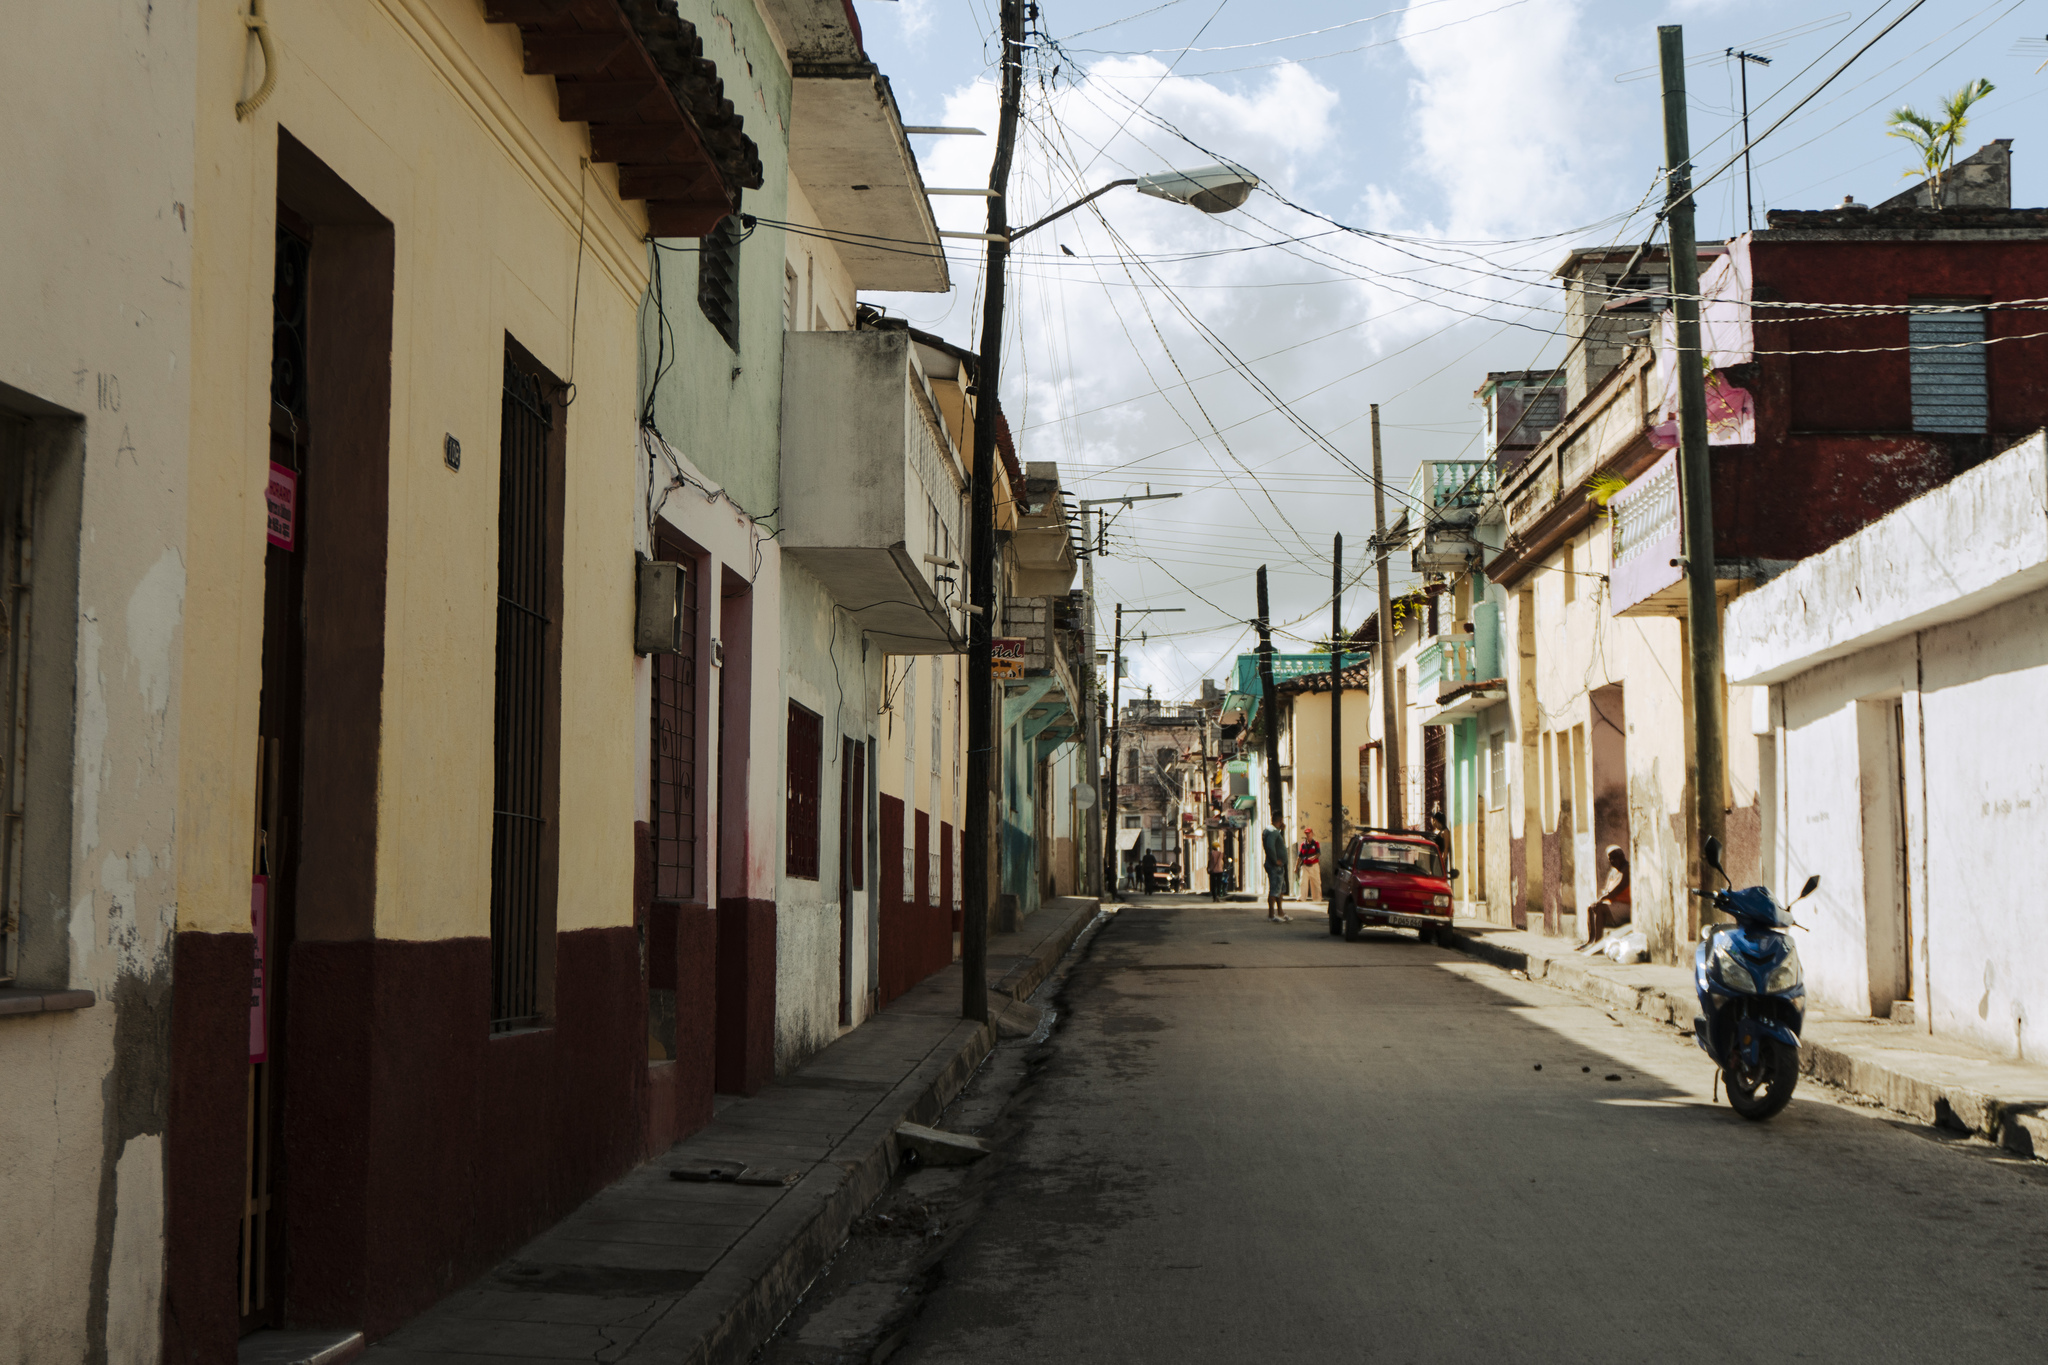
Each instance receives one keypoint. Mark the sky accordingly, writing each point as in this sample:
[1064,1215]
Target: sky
[1234,359]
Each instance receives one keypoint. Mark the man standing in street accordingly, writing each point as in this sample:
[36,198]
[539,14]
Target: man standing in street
[1274,845]
[1309,856]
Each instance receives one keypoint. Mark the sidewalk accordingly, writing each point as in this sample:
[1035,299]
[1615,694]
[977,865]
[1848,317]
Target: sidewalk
[1934,1080]
[659,1269]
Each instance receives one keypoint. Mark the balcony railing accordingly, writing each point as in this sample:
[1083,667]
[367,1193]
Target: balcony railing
[1459,484]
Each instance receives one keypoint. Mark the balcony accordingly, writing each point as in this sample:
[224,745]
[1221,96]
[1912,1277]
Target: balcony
[1453,488]
[1458,676]
[871,484]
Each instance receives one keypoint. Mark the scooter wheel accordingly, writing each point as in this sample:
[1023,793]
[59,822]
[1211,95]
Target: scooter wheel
[1759,1096]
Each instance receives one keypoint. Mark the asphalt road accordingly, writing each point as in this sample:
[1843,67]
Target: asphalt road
[1259,1143]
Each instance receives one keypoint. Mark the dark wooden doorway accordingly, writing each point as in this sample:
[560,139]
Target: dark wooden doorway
[280,729]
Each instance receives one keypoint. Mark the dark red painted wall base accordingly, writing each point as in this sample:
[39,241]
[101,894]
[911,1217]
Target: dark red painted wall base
[418,1150]
[203,1149]
[916,935]
[697,1016]
[745,996]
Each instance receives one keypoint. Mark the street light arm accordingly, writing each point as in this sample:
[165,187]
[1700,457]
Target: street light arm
[1061,213]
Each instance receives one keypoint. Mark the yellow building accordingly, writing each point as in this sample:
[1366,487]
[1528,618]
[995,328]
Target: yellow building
[410,725]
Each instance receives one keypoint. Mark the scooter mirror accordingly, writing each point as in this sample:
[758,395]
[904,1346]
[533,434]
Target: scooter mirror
[1713,852]
[1812,885]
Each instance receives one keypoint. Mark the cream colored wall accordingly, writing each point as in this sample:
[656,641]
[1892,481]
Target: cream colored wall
[423,109]
[1309,738]
[96,290]
[825,292]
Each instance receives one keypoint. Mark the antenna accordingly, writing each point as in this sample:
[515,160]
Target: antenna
[1743,59]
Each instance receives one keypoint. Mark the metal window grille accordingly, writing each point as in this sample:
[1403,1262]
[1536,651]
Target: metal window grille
[856,822]
[674,796]
[17,541]
[806,755]
[1497,767]
[718,277]
[1951,388]
[519,814]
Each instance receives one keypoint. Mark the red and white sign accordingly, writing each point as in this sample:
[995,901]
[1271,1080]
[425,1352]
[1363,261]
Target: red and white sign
[1007,655]
[283,498]
[259,983]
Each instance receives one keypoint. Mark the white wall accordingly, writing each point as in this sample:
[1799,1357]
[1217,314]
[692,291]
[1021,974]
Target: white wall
[1911,770]
[95,288]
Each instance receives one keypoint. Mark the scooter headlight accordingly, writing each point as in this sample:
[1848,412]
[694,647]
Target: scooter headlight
[1784,976]
[1725,969]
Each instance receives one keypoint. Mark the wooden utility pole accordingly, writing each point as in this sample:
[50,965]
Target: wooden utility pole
[1390,744]
[1111,853]
[981,738]
[1695,470]
[1091,727]
[1276,813]
[1337,642]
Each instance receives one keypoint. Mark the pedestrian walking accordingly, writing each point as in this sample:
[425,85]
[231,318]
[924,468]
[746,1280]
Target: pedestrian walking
[1148,870]
[1274,845]
[1309,857]
[1219,873]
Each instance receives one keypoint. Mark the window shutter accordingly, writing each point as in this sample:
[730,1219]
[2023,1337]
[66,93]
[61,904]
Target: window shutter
[1951,390]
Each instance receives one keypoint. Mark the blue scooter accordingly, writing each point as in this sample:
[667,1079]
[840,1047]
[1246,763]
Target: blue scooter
[1752,994]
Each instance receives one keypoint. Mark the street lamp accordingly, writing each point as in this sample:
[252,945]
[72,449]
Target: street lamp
[1210,189]
[1216,188]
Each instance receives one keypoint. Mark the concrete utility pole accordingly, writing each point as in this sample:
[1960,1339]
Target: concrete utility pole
[1390,744]
[1337,642]
[974,884]
[1091,729]
[1276,812]
[1116,730]
[1695,471]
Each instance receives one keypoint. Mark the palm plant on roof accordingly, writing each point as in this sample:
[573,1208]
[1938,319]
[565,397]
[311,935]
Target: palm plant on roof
[1937,139]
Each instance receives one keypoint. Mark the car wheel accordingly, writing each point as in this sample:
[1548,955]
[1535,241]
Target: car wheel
[1336,920]
[1352,924]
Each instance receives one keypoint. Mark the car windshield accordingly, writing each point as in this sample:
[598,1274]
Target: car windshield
[1389,855]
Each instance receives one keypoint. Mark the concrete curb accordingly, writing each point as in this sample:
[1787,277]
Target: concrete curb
[1021,980]
[733,1309]
[2019,1128]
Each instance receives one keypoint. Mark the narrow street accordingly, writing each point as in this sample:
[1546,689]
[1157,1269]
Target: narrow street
[1255,1141]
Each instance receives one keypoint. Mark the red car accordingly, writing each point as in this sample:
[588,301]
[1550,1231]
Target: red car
[1391,877]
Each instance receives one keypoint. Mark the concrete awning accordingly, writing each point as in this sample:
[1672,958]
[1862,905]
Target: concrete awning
[1128,838]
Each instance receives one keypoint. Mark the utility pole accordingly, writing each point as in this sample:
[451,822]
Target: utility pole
[1091,725]
[1337,642]
[1742,61]
[1695,472]
[1276,814]
[1116,730]
[974,880]
[1390,744]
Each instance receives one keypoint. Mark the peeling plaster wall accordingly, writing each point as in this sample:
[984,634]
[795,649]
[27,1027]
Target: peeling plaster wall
[1939,610]
[95,286]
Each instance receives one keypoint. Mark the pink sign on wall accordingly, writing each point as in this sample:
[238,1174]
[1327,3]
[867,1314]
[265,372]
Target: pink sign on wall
[282,495]
[259,984]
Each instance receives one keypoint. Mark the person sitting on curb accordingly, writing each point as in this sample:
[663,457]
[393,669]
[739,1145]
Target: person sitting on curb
[1309,857]
[1274,845]
[1613,909]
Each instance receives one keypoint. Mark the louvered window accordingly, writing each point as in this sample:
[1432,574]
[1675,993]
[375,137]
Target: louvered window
[718,277]
[1951,390]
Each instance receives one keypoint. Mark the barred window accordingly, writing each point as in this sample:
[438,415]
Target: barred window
[806,757]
